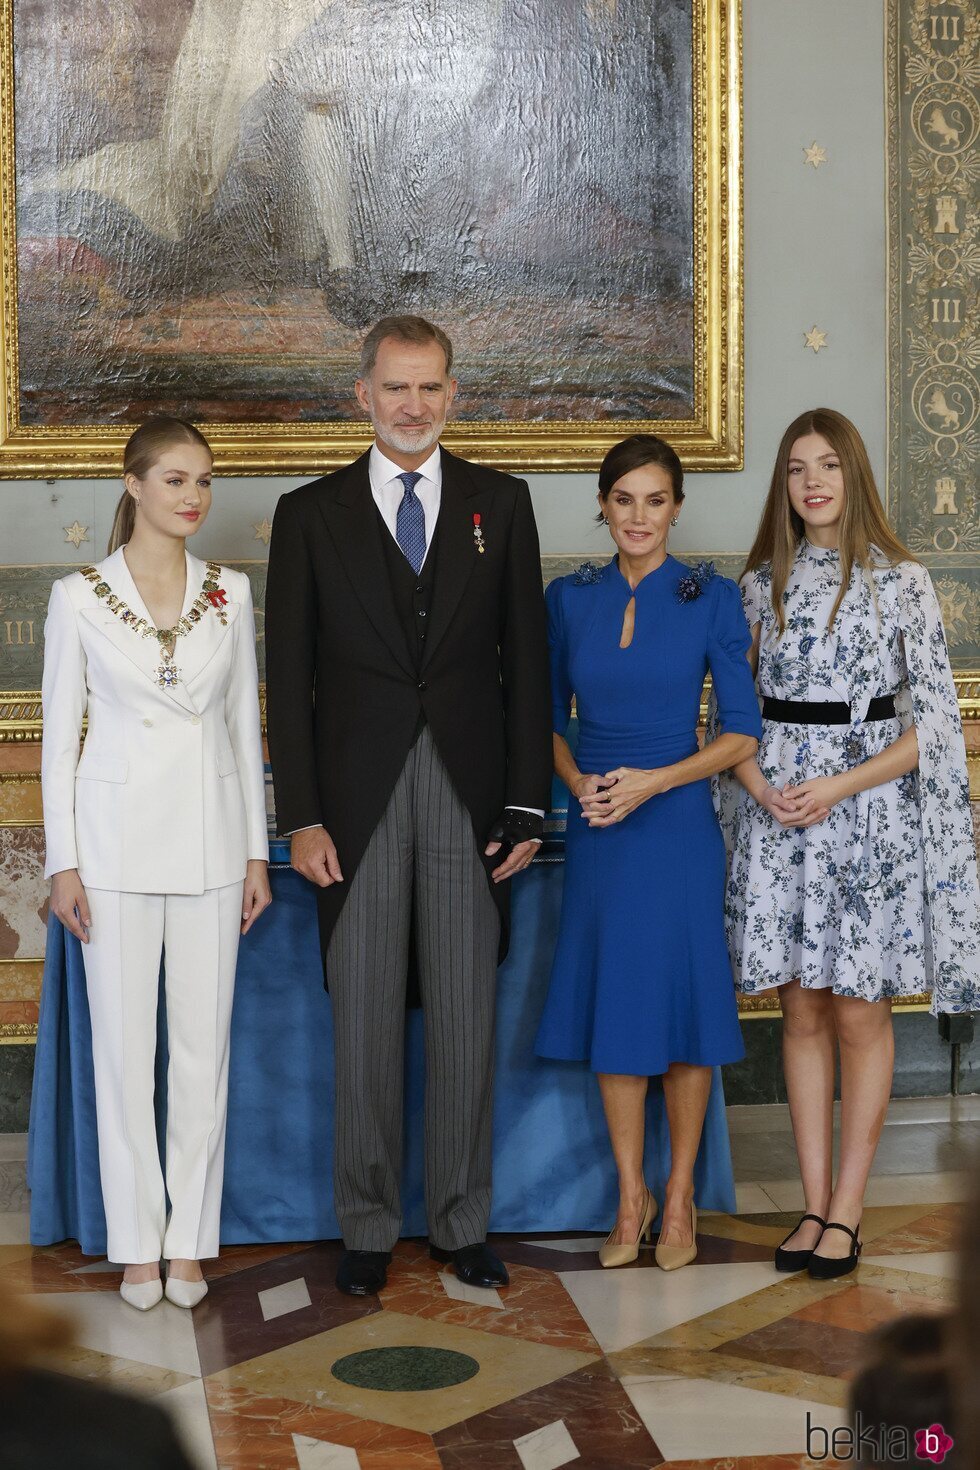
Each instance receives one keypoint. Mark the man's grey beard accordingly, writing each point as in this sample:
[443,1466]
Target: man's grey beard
[411,443]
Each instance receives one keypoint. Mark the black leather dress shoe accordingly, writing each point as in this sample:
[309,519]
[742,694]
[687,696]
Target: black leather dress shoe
[363,1273]
[476,1265]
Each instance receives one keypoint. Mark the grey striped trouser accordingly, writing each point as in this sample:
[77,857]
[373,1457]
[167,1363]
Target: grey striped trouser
[423,851]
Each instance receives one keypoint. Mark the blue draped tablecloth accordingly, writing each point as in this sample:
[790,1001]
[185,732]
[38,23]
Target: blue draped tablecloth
[553,1169]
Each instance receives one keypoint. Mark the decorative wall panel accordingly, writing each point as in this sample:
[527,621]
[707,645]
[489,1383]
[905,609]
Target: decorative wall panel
[934,301]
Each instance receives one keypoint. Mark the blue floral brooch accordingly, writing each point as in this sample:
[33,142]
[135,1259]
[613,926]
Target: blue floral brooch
[587,573]
[689,588]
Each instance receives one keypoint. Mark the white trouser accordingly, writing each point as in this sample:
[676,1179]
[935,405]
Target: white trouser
[199,934]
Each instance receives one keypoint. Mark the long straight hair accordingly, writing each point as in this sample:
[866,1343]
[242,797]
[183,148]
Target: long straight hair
[863,523]
[145,446]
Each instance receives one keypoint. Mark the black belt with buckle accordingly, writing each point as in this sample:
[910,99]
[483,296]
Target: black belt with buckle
[812,712]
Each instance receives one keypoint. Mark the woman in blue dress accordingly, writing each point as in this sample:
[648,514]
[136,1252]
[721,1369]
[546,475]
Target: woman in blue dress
[641,984]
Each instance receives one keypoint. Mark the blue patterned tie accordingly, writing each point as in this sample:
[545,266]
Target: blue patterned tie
[410,522]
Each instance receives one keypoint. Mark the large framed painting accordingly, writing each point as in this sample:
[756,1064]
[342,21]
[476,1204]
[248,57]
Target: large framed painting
[205,202]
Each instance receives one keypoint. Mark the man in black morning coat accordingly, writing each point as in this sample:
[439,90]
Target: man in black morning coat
[410,733]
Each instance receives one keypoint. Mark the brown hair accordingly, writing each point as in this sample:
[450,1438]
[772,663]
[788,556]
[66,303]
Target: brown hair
[28,1331]
[907,1383]
[414,329]
[966,1326]
[143,449]
[863,523]
[632,454]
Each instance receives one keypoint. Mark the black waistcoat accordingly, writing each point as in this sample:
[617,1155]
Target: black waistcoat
[413,594]
[413,601]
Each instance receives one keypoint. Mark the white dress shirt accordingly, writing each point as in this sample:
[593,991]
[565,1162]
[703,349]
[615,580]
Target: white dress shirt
[388,490]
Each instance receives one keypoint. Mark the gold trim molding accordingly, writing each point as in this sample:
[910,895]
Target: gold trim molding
[968,695]
[20,799]
[20,709]
[711,439]
[21,722]
[20,716]
[750,1008]
[765,1007]
[20,1032]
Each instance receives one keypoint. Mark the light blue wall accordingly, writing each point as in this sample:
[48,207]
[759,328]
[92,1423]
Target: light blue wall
[815,254]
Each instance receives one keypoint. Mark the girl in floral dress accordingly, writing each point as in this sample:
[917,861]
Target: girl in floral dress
[852,877]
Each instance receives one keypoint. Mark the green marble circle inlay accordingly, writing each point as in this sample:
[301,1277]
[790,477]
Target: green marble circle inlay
[405,1369]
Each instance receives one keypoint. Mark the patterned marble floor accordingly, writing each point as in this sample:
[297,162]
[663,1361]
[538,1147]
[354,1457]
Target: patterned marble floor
[570,1365]
[720,1363]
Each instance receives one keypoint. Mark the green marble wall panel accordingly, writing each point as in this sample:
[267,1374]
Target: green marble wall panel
[24,593]
[16,1077]
[924,1065]
[758,1078]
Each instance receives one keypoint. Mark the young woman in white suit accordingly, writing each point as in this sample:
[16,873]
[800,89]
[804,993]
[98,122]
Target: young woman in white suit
[157,840]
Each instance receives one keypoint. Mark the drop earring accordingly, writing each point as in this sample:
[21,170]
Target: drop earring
[605,520]
[673,520]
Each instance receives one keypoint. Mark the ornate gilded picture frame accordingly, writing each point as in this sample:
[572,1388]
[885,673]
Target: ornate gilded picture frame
[203,206]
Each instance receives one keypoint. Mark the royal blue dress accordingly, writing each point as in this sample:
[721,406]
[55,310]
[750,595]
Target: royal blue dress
[641,975]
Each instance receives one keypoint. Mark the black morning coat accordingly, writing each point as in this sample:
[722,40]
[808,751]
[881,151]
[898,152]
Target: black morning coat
[346,688]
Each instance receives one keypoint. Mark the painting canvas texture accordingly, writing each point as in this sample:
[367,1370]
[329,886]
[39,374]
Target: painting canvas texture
[216,197]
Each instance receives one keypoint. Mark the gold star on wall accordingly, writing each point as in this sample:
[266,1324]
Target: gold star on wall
[815,154]
[815,338]
[76,534]
[263,531]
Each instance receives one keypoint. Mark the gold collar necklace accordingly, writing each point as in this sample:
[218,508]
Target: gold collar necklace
[210,596]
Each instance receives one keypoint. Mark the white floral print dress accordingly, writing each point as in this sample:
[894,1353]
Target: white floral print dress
[881,898]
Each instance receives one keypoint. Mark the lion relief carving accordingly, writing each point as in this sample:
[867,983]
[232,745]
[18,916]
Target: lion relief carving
[937,406]
[938,123]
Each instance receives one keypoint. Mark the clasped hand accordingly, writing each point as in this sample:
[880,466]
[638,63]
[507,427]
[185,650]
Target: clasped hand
[606,800]
[804,805]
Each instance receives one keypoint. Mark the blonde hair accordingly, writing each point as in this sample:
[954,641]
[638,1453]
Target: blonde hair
[863,523]
[143,448]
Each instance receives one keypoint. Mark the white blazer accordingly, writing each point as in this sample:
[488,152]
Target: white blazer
[168,795]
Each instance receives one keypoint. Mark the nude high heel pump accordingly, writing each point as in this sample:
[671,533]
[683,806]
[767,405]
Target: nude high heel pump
[141,1294]
[672,1257]
[185,1293]
[621,1255]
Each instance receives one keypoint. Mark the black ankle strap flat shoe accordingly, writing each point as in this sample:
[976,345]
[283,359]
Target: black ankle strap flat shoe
[797,1260]
[825,1268]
